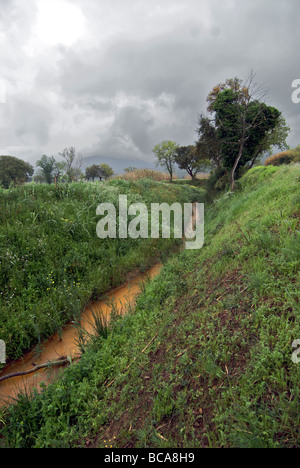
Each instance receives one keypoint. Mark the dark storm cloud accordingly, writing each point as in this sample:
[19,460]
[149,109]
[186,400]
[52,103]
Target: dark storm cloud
[146,78]
[128,135]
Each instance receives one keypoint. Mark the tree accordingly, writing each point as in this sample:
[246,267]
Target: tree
[191,159]
[242,122]
[130,169]
[208,144]
[59,168]
[47,164]
[92,172]
[102,171]
[105,171]
[39,178]
[275,137]
[77,174]
[73,163]
[166,153]
[235,84]
[14,170]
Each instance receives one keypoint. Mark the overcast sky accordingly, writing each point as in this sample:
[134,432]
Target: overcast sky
[115,77]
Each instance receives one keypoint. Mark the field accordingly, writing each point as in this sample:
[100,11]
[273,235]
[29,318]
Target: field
[205,359]
[51,260]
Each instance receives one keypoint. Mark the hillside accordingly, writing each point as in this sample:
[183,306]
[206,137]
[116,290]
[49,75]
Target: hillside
[205,359]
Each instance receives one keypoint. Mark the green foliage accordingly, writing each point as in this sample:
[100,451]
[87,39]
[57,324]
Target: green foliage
[257,175]
[259,120]
[208,144]
[102,171]
[72,165]
[190,159]
[47,165]
[217,182]
[219,372]
[13,170]
[242,129]
[51,257]
[165,153]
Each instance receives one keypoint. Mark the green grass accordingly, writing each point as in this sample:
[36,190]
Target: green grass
[51,260]
[220,322]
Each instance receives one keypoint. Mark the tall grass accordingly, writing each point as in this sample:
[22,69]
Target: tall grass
[150,174]
[51,259]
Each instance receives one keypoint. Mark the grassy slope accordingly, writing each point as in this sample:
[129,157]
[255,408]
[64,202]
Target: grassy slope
[219,371]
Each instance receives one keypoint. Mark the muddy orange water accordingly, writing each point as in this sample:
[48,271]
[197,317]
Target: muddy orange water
[66,344]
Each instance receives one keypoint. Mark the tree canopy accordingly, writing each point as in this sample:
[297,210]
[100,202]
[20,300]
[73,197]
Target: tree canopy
[14,170]
[102,171]
[242,125]
[47,164]
[165,153]
[191,159]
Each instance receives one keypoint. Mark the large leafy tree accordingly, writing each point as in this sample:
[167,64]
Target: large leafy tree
[14,170]
[242,126]
[165,153]
[242,120]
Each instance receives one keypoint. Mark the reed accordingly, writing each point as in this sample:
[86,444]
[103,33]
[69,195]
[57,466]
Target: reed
[145,174]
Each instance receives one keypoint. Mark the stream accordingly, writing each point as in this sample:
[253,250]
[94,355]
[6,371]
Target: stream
[65,343]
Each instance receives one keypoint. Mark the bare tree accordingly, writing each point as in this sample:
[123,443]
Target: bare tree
[73,163]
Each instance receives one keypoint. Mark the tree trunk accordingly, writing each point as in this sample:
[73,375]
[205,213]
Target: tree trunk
[236,162]
[255,158]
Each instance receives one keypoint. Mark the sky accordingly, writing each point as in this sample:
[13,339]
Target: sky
[113,78]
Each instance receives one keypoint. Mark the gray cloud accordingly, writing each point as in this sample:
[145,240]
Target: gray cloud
[139,73]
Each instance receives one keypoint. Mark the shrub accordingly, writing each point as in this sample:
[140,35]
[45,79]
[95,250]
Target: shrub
[285,157]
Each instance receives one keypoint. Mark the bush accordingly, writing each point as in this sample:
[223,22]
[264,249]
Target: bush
[217,182]
[285,157]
